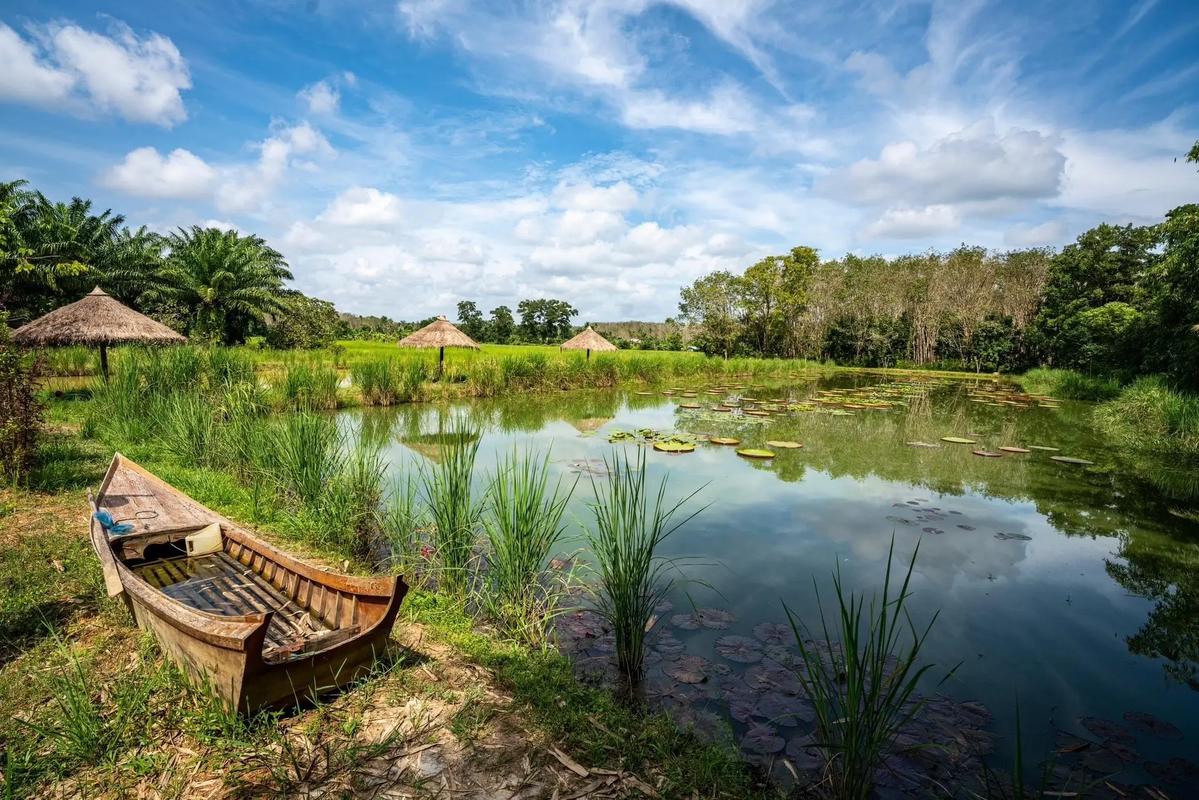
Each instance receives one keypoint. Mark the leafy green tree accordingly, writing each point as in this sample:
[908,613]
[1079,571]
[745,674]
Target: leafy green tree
[471,321]
[1177,285]
[54,252]
[712,305]
[306,323]
[228,280]
[1107,264]
[545,319]
[502,324]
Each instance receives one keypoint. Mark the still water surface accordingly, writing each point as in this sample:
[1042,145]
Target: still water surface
[1086,606]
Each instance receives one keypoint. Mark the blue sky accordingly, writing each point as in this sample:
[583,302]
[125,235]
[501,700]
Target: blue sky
[409,154]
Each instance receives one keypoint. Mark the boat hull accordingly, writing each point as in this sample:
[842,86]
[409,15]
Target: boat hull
[250,660]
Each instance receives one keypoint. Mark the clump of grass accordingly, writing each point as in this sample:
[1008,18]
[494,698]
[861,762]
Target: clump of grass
[1150,415]
[378,381]
[188,429]
[863,686]
[308,455]
[402,520]
[454,514]
[82,729]
[523,522]
[309,387]
[1066,384]
[631,523]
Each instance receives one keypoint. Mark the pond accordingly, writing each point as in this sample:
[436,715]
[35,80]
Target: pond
[1067,591]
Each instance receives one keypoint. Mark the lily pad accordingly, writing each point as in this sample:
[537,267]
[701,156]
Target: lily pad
[1012,449]
[688,669]
[674,447]
[1020,537]
[724,440]
[751,452]
[783,709]
[1150,725]
[689,405]
[740,649]
[762,740]
[929,445]
[714,618]
[1177,771]
[1043,448]
[687,622]
[774,633]
[1078,462]
[957,440]
[1106,729]
[987,453]
[783,445]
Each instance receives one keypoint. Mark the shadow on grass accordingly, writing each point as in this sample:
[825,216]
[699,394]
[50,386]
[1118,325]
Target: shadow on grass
[67,462]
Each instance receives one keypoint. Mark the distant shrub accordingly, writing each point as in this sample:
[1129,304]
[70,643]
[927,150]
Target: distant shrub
[21,413]
[1066,384]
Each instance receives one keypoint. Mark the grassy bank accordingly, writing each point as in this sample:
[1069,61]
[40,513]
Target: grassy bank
[1149,415]
[95,710]
[1066,384]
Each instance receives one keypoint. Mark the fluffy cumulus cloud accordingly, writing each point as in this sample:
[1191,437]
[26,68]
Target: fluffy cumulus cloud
[362,205]
[976,164]
[148,173]
[248,188]
[64,66]
[914,223]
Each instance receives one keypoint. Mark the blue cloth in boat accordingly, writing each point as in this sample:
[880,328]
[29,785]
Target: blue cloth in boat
[110,525]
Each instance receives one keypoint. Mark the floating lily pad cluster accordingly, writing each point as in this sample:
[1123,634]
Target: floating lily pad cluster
[1011,397]
[1103,752]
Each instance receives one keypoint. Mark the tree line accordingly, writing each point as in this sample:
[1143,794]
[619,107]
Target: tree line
[210,284]
[1121,300]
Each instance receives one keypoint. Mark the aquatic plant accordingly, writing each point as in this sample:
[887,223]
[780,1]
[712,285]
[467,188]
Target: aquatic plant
[309,387]
[631,523]
[446,490]
[523,523]
[863,685]
[308,455]
[378,381]
[403,519]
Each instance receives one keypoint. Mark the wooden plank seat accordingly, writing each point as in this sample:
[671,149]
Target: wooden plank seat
[219,584]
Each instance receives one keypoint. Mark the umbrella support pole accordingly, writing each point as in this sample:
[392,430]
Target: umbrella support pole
[588,355]
[104,361]
[440,362]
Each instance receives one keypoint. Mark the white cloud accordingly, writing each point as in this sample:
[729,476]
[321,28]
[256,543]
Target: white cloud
[220,224]
[914,223]
[362,205]
[70,69]
[147,173]
[321,97]
[975,164]
[584,196]
[246,189]
[26,78]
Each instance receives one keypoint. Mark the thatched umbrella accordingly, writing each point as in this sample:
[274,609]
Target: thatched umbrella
[588,340]
[96,320]
[439,333]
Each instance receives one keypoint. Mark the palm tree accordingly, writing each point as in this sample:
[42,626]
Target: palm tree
[227,279]
[51,253]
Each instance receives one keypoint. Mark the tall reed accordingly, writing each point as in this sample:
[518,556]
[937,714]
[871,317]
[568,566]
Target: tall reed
[446,489]
[403,520]
[523,522]
[863,684]
[309,387]
[631,523]
[378,381]
[308,452]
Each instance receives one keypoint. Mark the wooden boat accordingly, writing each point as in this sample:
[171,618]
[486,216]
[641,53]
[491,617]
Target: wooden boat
[259,627]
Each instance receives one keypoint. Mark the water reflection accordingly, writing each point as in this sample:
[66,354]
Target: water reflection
[1073,589]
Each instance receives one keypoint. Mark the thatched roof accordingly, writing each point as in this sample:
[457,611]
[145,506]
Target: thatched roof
[588,340]
[589,424]
[95,320]
[439,333]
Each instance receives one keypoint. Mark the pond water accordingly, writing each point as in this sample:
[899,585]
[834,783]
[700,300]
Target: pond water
[1069,591]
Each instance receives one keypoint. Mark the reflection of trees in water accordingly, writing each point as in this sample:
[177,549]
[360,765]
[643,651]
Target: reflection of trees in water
[1165,571]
